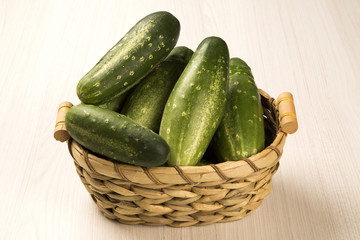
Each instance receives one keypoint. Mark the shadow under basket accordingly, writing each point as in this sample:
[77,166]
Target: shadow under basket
[187,195]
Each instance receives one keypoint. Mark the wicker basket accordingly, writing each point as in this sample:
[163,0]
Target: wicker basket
[184,196]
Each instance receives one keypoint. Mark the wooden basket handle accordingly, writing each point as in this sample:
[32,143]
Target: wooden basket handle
[60,133]
[287,113]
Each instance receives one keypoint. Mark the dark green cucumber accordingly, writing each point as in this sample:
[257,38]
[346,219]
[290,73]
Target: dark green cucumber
[146,103]
[241,132]
[196,104]
[115,104]
[131,59]
[115,136]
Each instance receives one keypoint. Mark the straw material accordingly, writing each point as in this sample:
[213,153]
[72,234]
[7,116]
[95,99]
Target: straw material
[187,195]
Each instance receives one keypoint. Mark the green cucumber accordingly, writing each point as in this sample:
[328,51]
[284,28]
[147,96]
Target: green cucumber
[196,104]
[146,103]
[131,59]
[115,104]
[115,136]
[241,132]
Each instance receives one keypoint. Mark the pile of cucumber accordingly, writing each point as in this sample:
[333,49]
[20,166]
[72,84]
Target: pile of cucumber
[150,103]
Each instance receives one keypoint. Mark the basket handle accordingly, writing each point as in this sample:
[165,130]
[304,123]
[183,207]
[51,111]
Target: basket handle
[60,133]
[287,113]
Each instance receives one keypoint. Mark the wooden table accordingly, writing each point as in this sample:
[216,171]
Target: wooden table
[310,48]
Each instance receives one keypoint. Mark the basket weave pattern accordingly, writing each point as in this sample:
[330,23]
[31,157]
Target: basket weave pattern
[183,196]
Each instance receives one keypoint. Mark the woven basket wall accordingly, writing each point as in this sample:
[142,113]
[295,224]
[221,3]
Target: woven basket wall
[183,196]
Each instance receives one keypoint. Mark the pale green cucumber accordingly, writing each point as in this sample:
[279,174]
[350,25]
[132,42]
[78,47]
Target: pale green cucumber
[241,132]
[196,104]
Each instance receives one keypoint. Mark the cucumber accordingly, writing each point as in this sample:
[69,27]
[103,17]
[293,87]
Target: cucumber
[131,59]
[196,104]
[115,136]
[241,132]
[115,104]
[146,103]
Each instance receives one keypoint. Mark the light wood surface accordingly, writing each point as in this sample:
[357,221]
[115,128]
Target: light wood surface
[309,48]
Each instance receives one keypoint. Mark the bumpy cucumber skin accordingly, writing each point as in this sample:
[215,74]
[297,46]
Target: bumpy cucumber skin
[146,103]
[115,136]
[131,59]
[241,132]
[196,104]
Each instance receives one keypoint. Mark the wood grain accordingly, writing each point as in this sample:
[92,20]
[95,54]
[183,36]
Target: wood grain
[309,48]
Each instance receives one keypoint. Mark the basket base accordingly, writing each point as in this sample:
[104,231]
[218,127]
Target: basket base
[235,205]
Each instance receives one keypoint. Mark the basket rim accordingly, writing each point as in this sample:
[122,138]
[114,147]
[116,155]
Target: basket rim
[224,171]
